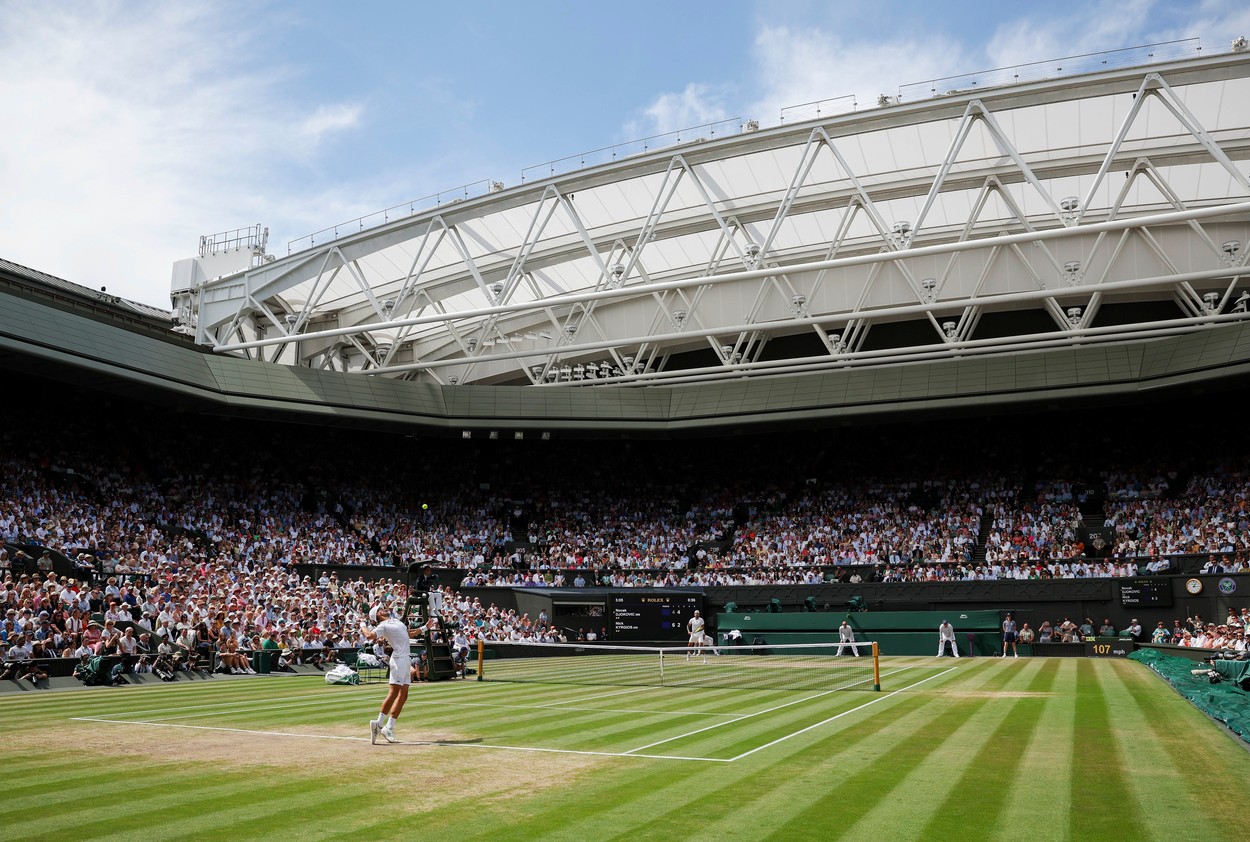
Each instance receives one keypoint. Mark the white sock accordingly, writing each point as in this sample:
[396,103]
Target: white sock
[390,723]
[381,719]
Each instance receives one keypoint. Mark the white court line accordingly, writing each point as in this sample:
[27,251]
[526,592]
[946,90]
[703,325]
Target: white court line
[644,711]
[533,749]
[743,716]
[842,714]
[284,705]
[575,751]
[214,728]
[414,743]
[243,707]
[250,704]
[188,686]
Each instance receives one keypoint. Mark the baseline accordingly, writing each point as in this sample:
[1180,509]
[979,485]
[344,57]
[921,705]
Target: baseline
[420,743]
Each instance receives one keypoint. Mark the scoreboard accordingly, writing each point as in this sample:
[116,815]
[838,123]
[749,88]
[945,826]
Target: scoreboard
[1146,593]
[647,615]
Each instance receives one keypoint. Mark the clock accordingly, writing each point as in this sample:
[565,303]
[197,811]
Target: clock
[1194,586]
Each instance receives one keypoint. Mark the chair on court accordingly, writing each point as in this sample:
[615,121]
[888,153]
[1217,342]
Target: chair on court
[371,669]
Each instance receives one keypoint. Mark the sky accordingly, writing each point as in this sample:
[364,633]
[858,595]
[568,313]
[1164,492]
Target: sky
[129,129]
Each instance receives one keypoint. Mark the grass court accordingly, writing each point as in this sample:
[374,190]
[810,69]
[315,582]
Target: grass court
[1034,749]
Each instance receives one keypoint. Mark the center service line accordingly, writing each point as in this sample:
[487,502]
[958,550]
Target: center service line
[744,716]
[842,714]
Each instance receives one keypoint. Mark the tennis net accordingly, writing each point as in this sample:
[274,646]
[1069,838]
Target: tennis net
[803,666]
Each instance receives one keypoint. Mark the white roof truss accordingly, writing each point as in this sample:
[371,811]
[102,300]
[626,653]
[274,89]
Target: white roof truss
[684,266]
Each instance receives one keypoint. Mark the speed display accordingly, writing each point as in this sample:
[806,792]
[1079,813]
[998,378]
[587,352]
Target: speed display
[651,616]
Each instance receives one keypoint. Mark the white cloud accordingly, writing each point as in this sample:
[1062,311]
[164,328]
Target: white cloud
[134,128]
[694,105]
[808,65]
[1115,24]
[792,66]
[1093,28]
[330,118]
[1216,22]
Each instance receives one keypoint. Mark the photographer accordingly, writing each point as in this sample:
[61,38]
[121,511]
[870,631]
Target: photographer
[84,671]
[165,668]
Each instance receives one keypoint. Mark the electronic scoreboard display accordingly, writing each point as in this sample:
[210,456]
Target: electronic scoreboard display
[1145,593]
[647,615]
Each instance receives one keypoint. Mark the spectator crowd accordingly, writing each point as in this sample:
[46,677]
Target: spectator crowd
[193,534]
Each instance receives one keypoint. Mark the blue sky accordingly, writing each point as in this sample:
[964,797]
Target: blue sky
[131,128]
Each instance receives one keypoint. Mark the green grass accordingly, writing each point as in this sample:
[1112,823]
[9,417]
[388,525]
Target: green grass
[1035,749]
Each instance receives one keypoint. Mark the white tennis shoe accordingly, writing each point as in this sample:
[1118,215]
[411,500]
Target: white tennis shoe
[374,729]
[389,735]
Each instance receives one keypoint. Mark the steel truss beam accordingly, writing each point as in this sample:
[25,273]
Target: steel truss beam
[639,319]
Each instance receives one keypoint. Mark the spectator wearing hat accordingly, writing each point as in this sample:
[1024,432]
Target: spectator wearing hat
[20,650]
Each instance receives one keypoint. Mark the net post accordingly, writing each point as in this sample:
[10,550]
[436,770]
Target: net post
[481,657]
[876,667]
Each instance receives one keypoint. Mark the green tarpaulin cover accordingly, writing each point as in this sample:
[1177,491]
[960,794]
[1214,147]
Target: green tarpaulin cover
[1225,701]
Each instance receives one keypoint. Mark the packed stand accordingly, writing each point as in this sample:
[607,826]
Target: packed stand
[191,533]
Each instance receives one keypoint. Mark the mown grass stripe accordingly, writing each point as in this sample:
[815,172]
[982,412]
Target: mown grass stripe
[731,789]
[1102,802]
[980,795]
[805,787]
[129,807]
[773,729]
[935,771]
[1043,798]
[761,790]
[255,814]
[779,723]
[602,733]
[36,769]
[100,780]
[1154,747]
[859,793]
[857,787]
[1197,744]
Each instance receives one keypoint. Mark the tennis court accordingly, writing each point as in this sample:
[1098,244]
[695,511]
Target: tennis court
[715,725]
[973,749]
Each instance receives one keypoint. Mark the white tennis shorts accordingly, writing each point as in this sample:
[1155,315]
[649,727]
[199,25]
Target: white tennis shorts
[401,670]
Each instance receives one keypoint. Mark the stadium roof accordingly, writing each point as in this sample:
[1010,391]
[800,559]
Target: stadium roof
[983,220]
[100,298]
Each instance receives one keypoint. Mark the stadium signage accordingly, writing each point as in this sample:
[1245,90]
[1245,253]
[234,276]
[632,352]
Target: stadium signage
[1108,647]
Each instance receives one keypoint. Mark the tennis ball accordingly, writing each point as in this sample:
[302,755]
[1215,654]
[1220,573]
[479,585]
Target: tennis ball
[425,505]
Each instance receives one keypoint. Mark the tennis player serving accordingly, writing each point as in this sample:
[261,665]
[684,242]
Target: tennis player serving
[397,636]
